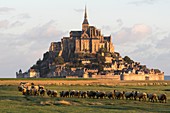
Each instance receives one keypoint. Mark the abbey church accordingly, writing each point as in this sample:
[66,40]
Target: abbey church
[87,40]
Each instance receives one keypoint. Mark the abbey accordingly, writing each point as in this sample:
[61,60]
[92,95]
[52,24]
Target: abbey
[87,40]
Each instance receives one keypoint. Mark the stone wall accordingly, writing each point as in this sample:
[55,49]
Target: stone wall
[142,76]
[115,77]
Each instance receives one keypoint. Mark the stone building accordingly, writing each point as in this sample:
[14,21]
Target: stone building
[87,40]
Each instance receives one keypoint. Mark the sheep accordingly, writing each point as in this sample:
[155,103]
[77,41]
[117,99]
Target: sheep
[152,97]
[24,91]
[48,92]
[25,84]
[140,96]
[34,90]
[119,95]
[100,94]
[20,88]
[83,94]
[53,93]
[110,95]
[40,87]
[91,94]
[72,92]
[64,94]
[42,92]
[77,94]
[162,98]
[129,95]
[29,90]
[133,93]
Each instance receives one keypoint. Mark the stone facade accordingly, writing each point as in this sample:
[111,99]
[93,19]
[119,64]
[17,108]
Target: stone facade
[87,40]
[132,76]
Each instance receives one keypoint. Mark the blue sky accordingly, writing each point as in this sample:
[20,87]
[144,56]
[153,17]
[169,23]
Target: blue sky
[140,29]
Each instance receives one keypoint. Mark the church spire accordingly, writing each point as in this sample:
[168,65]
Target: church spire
[85,17]
[85,14]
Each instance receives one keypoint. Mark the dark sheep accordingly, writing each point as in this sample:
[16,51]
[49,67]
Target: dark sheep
[64,94]
[83,94]
[118,94]
[129,95]
[100,94]
[110,95]
[91,94]
[162,98]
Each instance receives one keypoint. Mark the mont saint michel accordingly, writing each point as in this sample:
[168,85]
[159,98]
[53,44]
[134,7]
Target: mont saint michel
[88,53]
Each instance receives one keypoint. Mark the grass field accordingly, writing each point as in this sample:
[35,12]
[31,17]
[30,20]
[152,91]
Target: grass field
[11,100]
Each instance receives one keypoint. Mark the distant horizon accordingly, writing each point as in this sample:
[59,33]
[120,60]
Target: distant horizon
[139,29]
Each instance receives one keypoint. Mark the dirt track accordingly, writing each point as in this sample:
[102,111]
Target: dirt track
[85,82]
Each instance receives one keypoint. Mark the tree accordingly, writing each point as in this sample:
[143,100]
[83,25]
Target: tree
[100,58]
[128,60]
[157,71]
[38,62]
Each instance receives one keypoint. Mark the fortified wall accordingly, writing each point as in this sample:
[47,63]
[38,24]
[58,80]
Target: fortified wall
[132,76]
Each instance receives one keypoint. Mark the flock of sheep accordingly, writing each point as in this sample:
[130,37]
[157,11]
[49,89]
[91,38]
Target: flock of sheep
[31,89]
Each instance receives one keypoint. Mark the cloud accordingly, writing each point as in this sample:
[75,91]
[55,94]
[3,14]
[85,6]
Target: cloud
[106,27]
[144,44]
[79,10]
[132,34]
[22,51]
[143,2]
[4,24]
[5,10]
[164,43]
[16,24]
[22,16]
[120,22]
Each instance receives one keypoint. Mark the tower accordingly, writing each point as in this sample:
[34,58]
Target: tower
[85,23]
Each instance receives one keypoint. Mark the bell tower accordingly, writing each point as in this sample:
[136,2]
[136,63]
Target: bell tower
[85,23]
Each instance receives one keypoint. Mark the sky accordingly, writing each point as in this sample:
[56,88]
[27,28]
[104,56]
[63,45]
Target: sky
[140,29]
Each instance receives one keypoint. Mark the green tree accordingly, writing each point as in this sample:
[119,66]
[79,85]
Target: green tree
[101,59]
[128,60]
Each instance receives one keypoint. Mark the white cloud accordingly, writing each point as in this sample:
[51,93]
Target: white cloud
[4,24]
[5,10]
[22,51]
[16,24]
[120,22]
[144,44]
[22,16]
[132,34]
